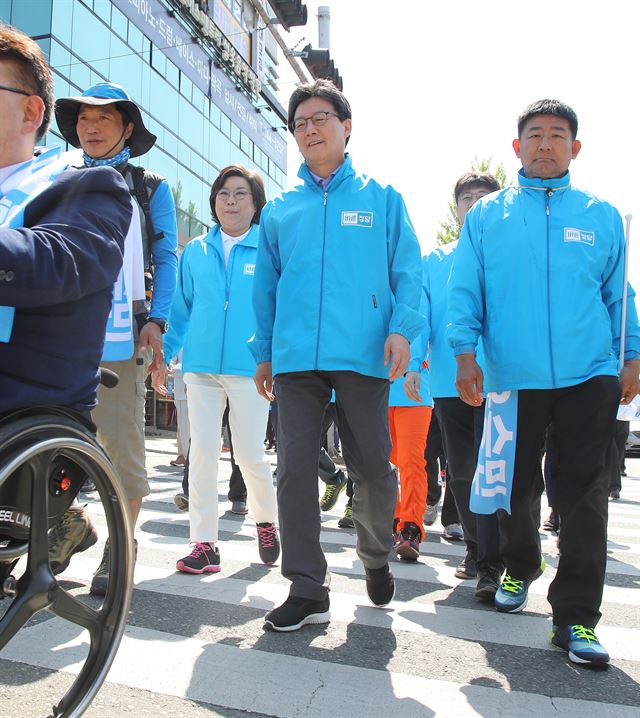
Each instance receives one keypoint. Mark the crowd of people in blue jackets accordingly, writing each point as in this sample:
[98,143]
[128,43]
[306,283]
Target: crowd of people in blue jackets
[523,332]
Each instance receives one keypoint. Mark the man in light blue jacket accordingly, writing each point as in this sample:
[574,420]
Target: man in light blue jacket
[539,274]
[460,423]
[336,298]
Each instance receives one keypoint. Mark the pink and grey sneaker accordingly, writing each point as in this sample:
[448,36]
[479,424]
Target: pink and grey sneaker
[203,559]
[268,543]
[408,546]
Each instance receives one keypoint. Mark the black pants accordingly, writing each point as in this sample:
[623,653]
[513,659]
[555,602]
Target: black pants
[362,406]
[327,469]
[436,461]
[616,461]
[272,433]
[461,427]
[550,466]
[583,424]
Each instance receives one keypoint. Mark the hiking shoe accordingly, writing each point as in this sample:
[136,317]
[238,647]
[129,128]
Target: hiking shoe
[239,507]
[408,545]
[268,543]
[203,559]
[87,487]
[581,643]
[431,515]
[488,584]
[100,578]
[331,494]
[453,532]
[467,567]
[511,596]
[614,494]
[552,523]
[381,587]
[296,612]
[72,534]
[346,521]
[181,501]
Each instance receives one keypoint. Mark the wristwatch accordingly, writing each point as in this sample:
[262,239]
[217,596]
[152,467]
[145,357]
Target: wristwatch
[162,323]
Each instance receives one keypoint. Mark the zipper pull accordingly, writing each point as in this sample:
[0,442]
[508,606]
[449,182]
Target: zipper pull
[549,195]
[325,198]
[226,304]
[375,302]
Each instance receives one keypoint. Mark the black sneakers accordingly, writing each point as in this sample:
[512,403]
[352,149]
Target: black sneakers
[203,559]
[488,584]
[268,543]
[467,568]
[100,579]
[296,612]
[381,587]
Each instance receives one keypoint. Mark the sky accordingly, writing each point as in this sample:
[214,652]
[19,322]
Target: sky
[434,84]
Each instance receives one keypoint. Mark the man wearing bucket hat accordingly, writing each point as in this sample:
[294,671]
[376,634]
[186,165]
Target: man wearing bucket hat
[108,126]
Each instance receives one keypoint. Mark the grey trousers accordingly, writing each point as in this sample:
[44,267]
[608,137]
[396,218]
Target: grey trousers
[362,406]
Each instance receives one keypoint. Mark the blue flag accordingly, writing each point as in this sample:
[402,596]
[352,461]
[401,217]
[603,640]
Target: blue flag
[493,480]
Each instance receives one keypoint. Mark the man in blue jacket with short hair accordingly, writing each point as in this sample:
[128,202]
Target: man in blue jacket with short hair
[336,297]
[539,274]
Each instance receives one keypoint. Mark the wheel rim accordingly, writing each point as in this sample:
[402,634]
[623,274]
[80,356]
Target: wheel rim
[38,588]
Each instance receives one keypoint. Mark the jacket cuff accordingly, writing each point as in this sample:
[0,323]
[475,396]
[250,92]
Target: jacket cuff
[261,349]
[464,349]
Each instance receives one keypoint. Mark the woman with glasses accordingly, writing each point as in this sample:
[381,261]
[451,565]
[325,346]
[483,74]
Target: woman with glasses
[212,320]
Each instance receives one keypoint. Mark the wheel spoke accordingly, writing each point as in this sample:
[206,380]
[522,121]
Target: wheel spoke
[18,613]
[72,609]
[39,467]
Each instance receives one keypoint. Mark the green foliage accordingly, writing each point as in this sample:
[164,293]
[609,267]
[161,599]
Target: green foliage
[177,194]
[450,227]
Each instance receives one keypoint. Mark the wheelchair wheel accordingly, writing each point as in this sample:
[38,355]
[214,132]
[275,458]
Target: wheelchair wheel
[33,448]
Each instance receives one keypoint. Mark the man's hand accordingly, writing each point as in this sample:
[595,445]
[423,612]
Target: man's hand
[159,380]
[396,351]
[264,380]
[469,379]
[412,386]
[151,336]
[629,383]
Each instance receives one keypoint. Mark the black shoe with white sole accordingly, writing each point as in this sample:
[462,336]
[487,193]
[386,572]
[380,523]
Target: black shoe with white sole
[381,587]
[297,612]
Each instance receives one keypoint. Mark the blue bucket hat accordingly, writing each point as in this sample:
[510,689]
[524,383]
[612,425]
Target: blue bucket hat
[104,93]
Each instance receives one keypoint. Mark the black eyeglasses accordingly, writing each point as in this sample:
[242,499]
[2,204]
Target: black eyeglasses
[17,90]
[317,120]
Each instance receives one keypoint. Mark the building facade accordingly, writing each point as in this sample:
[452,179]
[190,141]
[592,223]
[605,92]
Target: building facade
[202,72]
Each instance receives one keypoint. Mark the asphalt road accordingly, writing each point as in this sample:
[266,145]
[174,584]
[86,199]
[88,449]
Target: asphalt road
[195,646]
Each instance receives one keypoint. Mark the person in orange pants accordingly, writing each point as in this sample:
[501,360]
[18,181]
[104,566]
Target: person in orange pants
[410,407]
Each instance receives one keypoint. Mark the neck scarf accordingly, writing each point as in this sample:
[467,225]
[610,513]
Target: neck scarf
[25,183]
[119,159]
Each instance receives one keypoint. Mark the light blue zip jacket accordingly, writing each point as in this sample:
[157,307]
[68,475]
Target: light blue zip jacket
[212,314]
[443,367]
[330,266]
[397,396]
[539,273]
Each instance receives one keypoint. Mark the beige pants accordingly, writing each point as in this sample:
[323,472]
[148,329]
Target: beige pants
[119,417]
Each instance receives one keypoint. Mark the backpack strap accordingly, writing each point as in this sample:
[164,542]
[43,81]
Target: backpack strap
[145,184]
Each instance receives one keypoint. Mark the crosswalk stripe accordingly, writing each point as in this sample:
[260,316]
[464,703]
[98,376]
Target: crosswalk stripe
[273,675]
[198,670]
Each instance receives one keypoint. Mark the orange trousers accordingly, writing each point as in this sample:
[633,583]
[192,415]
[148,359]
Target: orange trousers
[409,426]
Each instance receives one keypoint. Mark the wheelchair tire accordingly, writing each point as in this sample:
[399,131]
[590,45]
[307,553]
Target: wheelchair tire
[33,443]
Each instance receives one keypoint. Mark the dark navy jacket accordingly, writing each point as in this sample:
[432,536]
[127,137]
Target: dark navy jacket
[58,271]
